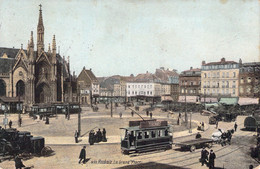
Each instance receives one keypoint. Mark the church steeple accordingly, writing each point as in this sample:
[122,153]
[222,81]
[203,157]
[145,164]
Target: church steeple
[40,33]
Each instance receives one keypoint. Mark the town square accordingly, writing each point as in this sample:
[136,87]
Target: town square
[129,84]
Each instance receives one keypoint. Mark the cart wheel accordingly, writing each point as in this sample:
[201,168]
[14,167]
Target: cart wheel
[192,148]
[46,150]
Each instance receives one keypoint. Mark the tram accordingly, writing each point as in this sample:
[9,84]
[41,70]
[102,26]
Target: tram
[145,136]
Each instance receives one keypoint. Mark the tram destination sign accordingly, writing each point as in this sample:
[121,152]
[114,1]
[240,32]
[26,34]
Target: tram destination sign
[148,124]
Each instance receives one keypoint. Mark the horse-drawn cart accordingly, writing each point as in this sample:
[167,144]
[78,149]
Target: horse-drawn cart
[194,144]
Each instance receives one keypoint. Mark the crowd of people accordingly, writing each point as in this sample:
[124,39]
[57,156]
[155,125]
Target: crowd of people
[97,137]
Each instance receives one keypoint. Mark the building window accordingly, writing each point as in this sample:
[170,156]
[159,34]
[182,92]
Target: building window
[223,74]
[227,74]
[241,90]
[217,74]
[234,92]
[205,75]
[242,80]
[234,74]
[249,79]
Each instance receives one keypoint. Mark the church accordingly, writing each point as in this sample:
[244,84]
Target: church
[35,75]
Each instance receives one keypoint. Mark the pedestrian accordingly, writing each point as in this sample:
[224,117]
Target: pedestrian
[20,121]
[212,157]
[18,162]
[202,126]
[47,120]
[198,135]
[99,135]
[204,156]
[76,135]
[10,124]
[216,124]
[147,113]
[120,115]
[235,126]
[151,115]
[251,166]
[132,113]
[91,137]
[104,139]
[82,155]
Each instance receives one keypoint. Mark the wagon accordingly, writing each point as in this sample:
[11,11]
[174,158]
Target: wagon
[194,144]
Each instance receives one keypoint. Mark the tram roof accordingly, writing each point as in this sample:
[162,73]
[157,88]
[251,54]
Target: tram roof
[135,128]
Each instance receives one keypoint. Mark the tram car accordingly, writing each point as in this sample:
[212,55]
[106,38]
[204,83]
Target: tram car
[145,136]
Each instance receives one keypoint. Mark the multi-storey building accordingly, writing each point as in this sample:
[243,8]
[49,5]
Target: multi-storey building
[220,78]
[249,80]
[189,82]
[88,86]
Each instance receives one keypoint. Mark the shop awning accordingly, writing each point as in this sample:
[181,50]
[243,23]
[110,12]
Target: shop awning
[229,101]
[247,101]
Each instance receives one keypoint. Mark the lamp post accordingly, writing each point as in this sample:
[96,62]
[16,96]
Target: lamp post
[79,118]
[111,104]
[19,105]
[186,117]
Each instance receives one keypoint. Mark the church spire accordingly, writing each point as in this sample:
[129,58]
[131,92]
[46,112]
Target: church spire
[40,33]
[31,44]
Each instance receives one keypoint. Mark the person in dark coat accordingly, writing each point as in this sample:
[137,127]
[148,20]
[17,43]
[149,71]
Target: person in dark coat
[216,124]
[235,126]
[198,135]
[82,155]
[147,113]
[104,139]
[99,135]
[91,138]
[151,115]
[212,157]
[10,124]
[18,162]
[132,112]
[204,156]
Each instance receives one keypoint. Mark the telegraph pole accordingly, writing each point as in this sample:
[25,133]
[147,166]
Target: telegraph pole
[186,117]
[79,122]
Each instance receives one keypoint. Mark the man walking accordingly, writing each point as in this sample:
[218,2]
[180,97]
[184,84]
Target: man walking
[204,156]
[235,126]
[212,157]
[82,155]
[216,124]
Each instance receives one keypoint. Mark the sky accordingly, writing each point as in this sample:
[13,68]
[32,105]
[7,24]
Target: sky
[123,37]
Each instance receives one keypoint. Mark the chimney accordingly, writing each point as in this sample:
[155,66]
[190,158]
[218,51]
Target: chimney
[191,68]
[84,68]
[223,59]
[203,62]
[90,69]
[162,68]
[146,72]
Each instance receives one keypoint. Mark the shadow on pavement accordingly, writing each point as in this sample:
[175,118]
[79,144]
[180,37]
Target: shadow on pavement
[150,165]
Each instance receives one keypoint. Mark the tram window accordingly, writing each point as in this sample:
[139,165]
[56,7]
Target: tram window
[139,135]
[146,134]
[153,134]
[159,133]
[166,132]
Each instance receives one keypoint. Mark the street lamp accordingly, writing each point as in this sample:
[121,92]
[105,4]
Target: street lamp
[19,105]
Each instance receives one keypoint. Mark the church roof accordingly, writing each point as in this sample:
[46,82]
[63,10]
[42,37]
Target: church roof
[10,52]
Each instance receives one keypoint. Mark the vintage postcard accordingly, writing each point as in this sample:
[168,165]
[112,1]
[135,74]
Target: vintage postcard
[129,84]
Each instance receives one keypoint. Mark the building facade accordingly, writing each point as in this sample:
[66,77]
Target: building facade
[88,86]
[190,82]
[249,80]
[35,75]
[220,78]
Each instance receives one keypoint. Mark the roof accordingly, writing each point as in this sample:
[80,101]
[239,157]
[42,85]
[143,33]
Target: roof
[220,63]
[6,64]
[91,75]
[10,99]
[192,70]
[10,52]
[146,77]
[164,75]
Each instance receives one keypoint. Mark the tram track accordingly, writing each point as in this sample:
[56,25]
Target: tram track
[196,155]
